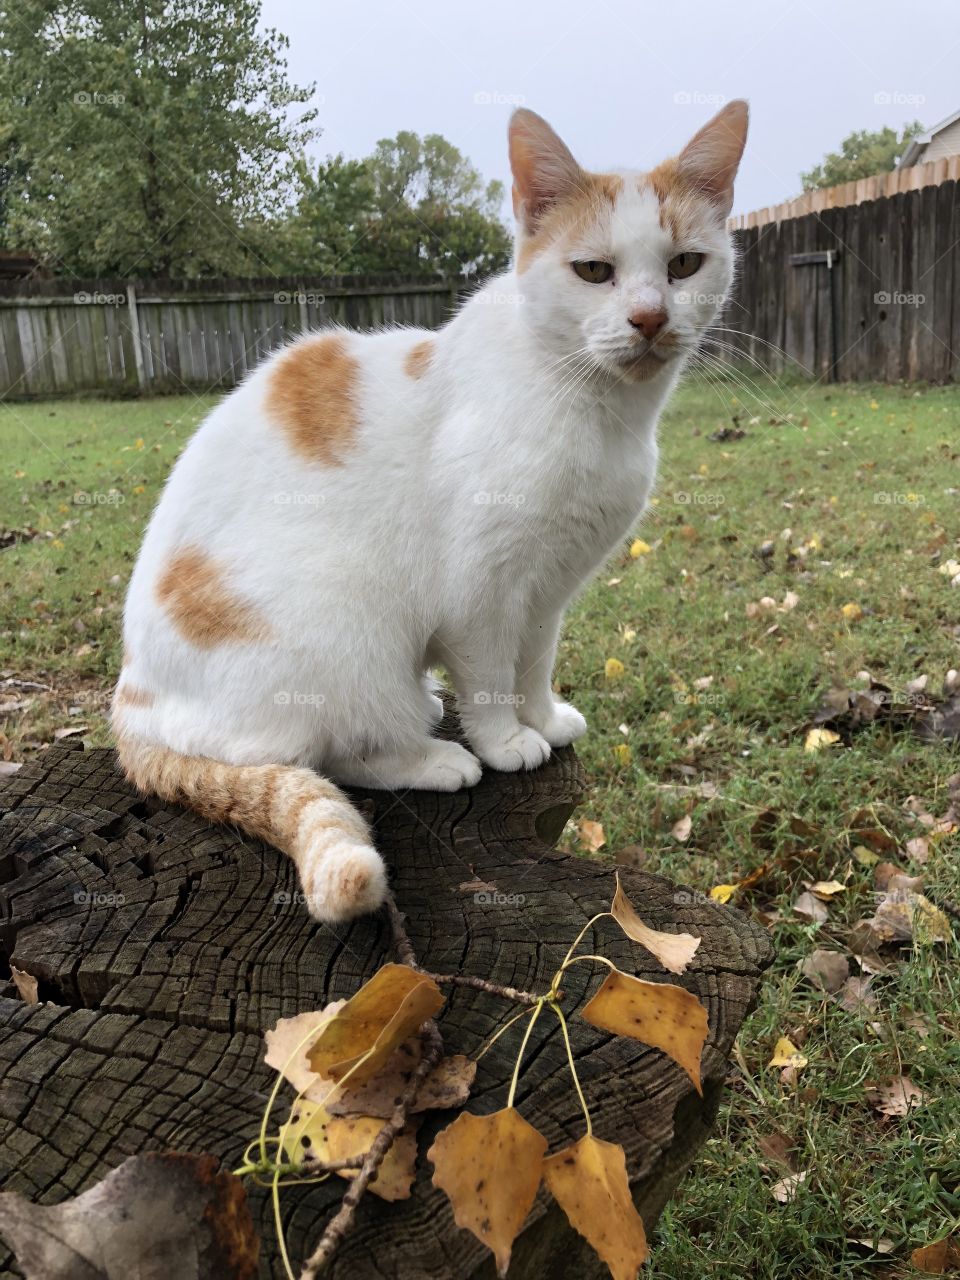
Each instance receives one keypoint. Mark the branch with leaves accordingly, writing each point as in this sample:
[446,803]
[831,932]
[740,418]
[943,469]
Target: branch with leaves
[365,1069]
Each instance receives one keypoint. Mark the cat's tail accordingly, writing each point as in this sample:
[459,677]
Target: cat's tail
[304,815]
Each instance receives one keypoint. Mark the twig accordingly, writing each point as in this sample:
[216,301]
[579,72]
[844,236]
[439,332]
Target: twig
[406,954]
[342,1221]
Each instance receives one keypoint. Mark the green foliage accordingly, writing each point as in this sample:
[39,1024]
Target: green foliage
[415,206]
[147,138]
[861,154]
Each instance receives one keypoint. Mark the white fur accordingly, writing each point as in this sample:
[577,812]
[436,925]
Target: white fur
[473,505]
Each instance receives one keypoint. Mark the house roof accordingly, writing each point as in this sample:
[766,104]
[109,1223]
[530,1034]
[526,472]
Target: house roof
[915,149]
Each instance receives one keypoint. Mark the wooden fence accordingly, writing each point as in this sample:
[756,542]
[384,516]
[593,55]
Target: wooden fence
[122,337]
[868,292]
[876,187]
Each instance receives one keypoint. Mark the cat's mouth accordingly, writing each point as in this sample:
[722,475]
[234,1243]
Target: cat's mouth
[637,366]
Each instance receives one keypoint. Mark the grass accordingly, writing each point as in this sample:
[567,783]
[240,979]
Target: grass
[853,487]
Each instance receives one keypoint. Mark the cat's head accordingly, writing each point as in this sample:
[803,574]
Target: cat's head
[627,268]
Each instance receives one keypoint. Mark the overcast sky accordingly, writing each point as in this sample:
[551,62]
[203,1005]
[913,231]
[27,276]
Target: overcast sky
[625,83]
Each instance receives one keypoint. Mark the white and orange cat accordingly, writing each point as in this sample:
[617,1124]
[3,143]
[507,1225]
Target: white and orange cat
[366,507]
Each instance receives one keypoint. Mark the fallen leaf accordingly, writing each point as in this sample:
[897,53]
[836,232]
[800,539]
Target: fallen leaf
[818,739]
[673,950]
[476,886]
[866,857]
[777,1147]
[490,1167]
[786,1054]
[163,1213]
[786,1189]
[447,1085]
[313,1134]
[385,1011]
[26,985]
[681,828]
[895,1097]
[589,1182]
[883,1245]
[856,997]
[937,1259]
[807,907]
[591,835]
[658,1014]
[613,668]
[639,548]
[287,1045]
[826,889]
[828,970]
[723,892]
[918,849]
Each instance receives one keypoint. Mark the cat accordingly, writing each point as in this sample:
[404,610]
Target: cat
[365,508]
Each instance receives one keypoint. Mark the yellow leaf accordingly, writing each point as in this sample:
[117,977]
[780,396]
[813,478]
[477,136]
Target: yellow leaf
[613,668]
[817,739]
[315,1134]
[591,835]
[489,1168]
[827,889]
[786,1054]
[657,1013]
[866,857]
[287,1045]
[673,950]
[589,1182]
[623,753]
[723,892]
[139,488]
[138,443]
[852,611]
[639,548]
[383,1013]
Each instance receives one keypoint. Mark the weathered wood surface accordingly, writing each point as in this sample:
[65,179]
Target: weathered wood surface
[164,947]
[119,337]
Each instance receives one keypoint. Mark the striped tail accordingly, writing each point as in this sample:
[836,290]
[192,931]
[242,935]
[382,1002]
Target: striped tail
[304,815]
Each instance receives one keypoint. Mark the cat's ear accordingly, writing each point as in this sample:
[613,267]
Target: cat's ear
[544,171]
[710,159]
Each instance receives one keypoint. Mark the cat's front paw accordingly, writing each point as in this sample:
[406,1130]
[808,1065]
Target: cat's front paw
[563,725]
[522,748]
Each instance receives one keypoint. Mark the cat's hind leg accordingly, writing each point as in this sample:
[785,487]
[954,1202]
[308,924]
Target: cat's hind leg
[423,764]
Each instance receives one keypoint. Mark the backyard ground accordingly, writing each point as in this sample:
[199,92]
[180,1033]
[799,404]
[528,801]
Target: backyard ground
[801,537]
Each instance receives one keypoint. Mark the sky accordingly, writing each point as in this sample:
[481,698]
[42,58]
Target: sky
[625,84]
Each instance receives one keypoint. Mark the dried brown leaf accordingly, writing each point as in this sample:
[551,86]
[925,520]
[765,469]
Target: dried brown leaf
[673,950]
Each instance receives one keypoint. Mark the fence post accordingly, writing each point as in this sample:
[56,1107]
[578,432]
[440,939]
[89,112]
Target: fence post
[135,331]
[302,300]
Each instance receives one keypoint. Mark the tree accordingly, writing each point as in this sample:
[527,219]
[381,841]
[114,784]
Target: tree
[415,206]
[861,154]
[154,137]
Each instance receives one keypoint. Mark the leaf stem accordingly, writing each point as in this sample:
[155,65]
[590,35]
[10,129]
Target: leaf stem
[516,1070]
[573,1069]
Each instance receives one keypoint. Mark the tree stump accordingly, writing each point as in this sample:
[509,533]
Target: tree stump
[164,948]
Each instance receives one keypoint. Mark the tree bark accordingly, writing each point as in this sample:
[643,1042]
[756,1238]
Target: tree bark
[164,948]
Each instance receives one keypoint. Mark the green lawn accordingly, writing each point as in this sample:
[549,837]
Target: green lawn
[856,490]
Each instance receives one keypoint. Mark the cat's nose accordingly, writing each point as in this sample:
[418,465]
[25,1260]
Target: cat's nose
[649,320]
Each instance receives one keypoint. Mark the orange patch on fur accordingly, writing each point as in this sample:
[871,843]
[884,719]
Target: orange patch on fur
[417,360]
[313,396]
[198,601]
[598,191]
[682,206]
[128,695]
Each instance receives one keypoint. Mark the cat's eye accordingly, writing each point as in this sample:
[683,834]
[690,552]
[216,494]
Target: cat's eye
[593,272]
[684,265]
